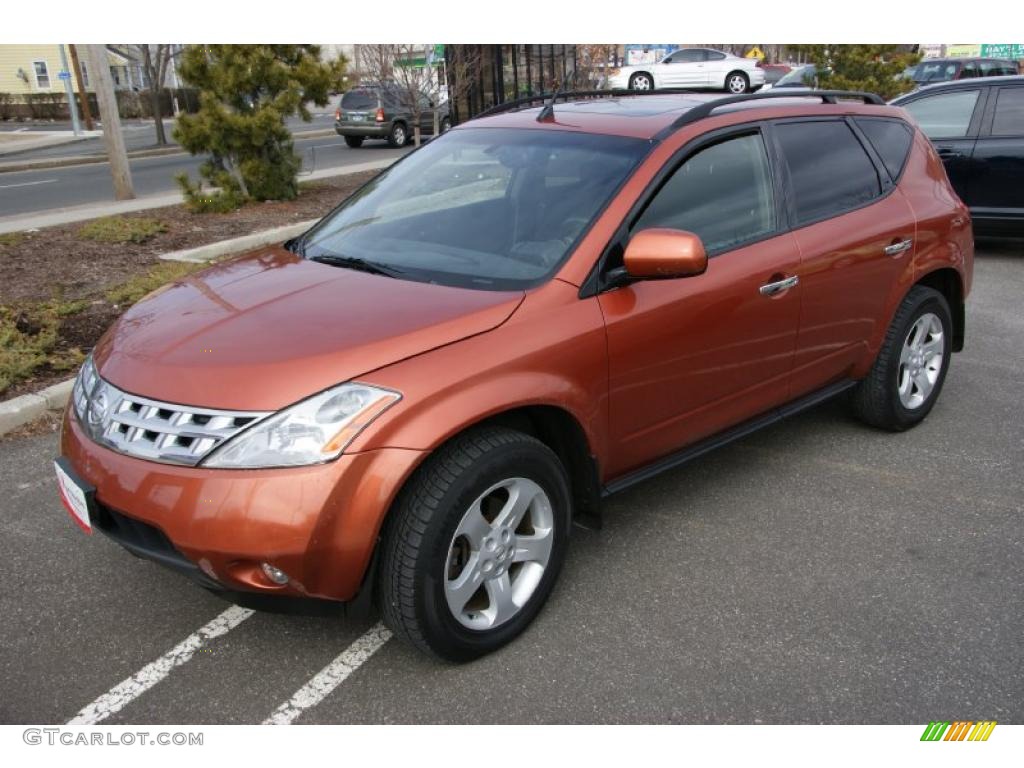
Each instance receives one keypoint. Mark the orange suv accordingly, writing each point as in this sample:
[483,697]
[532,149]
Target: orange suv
[410,404]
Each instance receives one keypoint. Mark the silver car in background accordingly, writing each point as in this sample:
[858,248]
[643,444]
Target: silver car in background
[692,68]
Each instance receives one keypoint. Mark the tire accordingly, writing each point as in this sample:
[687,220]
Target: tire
[641,81]
[398,135]
[432,545]
[909,372]
[446,124]
[354,141]
[737,82]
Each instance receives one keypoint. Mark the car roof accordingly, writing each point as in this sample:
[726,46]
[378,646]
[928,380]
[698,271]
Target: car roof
[970,83]
[960,59]
[648,115]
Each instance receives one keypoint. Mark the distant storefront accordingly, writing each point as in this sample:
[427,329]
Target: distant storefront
[1013,51]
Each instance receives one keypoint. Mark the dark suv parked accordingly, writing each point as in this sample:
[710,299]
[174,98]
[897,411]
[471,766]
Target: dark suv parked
[978,128]
[944,70]
[384,112]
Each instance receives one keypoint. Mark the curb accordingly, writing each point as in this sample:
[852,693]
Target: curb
[22,410]
[238,244]
[70,161]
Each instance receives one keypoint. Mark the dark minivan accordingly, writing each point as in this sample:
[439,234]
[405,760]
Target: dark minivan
[385,112]
[977,126]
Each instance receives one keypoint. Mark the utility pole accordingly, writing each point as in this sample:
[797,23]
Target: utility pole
[69,89]
[113,139]
[83,94]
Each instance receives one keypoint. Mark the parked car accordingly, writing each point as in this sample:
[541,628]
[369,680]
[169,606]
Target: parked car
[693,68]
[774,72]
[412,402]
[978,128]
[944,70]
[385,112]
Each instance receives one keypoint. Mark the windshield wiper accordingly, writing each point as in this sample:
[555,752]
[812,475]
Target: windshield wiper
[353,262]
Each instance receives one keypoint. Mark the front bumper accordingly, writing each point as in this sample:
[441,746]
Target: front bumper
[318,524]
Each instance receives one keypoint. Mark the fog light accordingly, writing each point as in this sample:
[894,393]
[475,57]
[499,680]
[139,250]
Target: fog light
[276,575]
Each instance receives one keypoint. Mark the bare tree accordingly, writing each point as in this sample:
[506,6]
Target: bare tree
[396,65]
[155,61]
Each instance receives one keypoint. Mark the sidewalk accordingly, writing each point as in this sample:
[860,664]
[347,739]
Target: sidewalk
[15,142]
[97,210]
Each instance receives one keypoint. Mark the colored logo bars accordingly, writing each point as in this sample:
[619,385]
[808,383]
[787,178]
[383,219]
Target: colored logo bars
[958,730]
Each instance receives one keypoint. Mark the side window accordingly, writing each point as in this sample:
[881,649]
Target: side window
[891,140]
[945,115]
[723,194]
[970,69]
[829,170]
[687,56]
[1009,117]
[715,55]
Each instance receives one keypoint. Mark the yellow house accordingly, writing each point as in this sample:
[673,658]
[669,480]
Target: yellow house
[27,69]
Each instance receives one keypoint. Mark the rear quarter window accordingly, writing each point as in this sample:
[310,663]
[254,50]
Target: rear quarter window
[1009,116]
[829,171]
[891,140]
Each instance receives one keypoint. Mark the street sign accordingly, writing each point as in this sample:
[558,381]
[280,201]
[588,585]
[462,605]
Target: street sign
[1003,50]
[755,53]
[64,75]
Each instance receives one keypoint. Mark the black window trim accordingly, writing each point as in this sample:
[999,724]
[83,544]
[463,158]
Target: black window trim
[595,282]
[866,141]
[980,106]
[989,117]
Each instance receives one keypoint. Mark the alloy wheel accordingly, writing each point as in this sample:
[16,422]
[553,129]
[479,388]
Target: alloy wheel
[921,360]
[499,553]
[642,83]
[737,84]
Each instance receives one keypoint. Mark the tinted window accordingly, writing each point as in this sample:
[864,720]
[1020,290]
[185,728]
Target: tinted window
[891,140]
[1009,119]
[971,69]
[936,71]
[944,115]
[687,55]
[485,208]
[363,98]
[722,193]
[829,170]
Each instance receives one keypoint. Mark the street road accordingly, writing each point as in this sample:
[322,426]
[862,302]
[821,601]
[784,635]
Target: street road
[818,571]
[40,190]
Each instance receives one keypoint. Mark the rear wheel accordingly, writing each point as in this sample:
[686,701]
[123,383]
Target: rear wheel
[908,374]
[737,82]
[398,135]
[354,141]
[475,544]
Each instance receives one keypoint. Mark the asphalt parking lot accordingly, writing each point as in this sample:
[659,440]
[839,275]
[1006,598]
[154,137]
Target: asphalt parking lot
[818,571]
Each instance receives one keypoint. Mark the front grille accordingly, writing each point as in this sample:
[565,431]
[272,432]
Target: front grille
[150,429]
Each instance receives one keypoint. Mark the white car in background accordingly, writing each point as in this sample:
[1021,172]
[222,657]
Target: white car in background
[693,68]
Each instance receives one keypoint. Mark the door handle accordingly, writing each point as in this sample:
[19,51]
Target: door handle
[950,154]
[770,289]
[897,248]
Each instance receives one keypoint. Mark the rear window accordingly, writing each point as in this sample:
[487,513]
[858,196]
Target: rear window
[362,98]
[1009,118]
[829,170]
[891,140]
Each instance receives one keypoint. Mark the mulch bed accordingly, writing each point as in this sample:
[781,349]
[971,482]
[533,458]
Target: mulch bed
[56,262]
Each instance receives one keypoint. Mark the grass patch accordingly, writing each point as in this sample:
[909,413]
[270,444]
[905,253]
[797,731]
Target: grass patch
[29,336]
[120,229]
[137,287]
[11,239]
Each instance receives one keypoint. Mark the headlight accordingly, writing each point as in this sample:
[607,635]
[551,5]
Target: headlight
[84,384]
[310,432]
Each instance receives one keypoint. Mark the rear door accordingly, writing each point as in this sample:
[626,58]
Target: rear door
[689,357]
[951,119]
[996,195]
[855,233]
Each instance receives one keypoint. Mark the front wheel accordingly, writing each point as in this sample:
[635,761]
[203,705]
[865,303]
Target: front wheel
[908,374]
[737,82]
[641,81]
[475,544]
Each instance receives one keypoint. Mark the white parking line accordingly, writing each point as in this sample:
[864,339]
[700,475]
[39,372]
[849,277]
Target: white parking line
[331,676]
[27,184]
[151,674]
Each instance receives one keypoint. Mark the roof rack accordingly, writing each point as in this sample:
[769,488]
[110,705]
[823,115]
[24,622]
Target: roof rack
[545,98]
[827,97]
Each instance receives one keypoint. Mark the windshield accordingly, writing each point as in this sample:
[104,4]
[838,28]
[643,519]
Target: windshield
[935,71]
[798,76]
[486,208]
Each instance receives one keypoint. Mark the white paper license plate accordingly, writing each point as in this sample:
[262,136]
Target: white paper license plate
[356,118]
[74,497]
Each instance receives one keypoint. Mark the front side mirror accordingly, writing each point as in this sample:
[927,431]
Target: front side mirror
[657,254]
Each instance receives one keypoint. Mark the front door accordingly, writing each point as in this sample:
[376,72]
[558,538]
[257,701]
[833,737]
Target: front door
[685,68]
[689,357]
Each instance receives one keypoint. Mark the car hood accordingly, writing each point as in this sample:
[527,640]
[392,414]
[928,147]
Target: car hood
[268,329]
